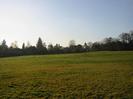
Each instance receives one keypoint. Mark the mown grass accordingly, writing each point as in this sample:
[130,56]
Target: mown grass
[96,75]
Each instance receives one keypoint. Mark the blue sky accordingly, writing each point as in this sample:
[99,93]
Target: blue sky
[58,21]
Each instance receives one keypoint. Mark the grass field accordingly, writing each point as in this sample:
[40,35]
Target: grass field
[96,75]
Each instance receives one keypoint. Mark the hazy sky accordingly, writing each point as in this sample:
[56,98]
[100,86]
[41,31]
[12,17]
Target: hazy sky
[58,21]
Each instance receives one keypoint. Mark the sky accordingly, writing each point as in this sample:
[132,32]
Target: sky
[59,21]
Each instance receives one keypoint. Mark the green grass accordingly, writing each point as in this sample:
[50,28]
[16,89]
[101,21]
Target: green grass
[96,75]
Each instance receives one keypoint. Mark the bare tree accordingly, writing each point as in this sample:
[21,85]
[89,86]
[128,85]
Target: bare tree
[72,43]
[14,44]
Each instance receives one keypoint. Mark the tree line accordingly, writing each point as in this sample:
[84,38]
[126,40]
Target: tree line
[123,42]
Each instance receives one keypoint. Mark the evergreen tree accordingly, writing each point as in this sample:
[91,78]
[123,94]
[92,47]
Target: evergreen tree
[23,46]
[3,45]
[39,44]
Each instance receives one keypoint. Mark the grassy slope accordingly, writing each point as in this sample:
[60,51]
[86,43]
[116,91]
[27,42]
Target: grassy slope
[94,74]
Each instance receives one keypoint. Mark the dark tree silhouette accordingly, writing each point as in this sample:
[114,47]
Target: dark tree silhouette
[23,46]
[125,37]
[123,42]
[50,48]
[41,47]
[39,44]
[86,47]
[3,45]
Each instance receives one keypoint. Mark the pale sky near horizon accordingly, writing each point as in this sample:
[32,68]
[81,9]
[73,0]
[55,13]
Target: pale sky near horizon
[59,21]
